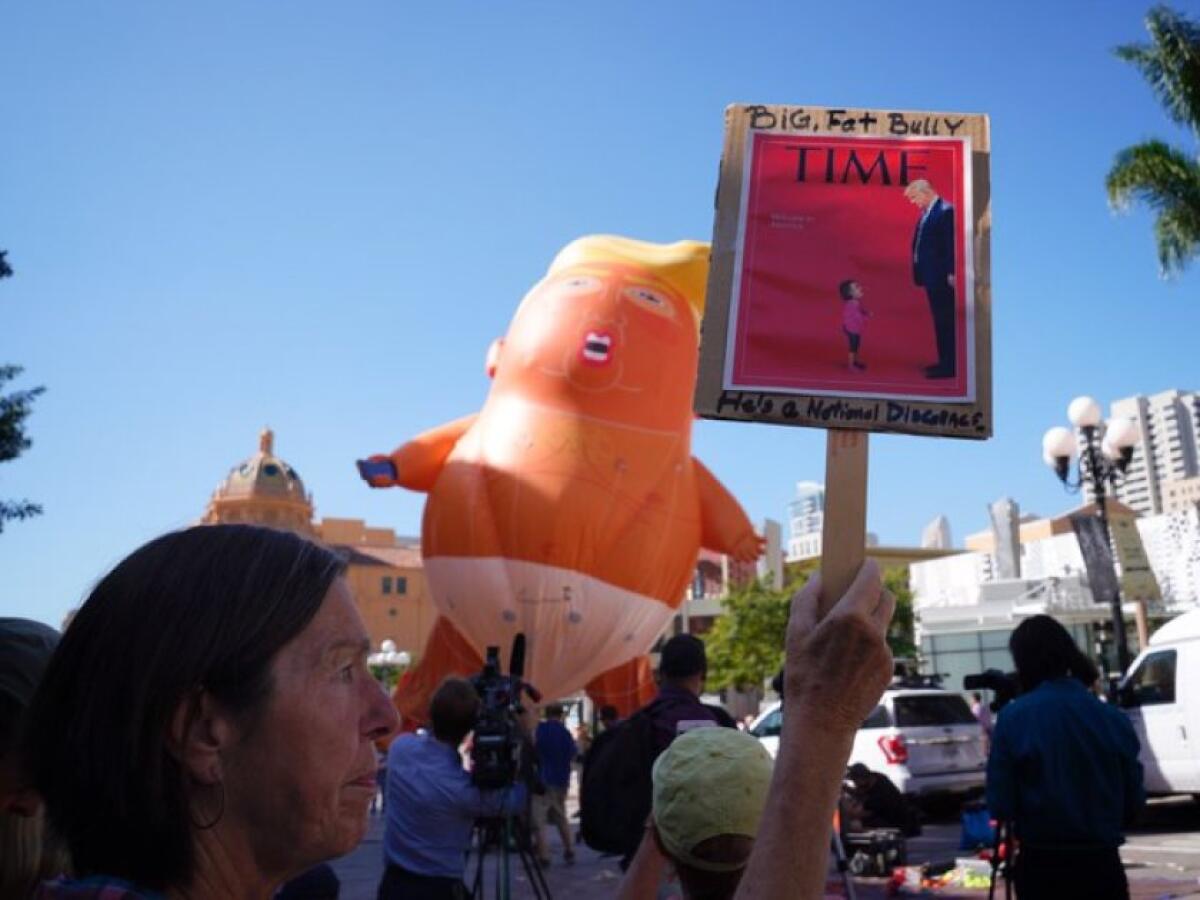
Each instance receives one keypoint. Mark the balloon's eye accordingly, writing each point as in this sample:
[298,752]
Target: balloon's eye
[579,284]
[651,299]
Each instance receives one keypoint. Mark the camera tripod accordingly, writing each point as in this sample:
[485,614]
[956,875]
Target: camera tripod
[501,832]
[1004,838]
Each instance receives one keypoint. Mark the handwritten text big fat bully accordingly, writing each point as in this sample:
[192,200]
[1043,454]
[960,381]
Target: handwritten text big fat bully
[894,124]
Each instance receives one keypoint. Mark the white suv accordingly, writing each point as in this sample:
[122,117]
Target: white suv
[925,740]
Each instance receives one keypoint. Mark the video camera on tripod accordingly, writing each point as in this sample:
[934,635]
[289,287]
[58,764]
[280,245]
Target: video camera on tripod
[496,751]
[1003,685]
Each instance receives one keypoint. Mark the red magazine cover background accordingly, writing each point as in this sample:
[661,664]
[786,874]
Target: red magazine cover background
[803,239]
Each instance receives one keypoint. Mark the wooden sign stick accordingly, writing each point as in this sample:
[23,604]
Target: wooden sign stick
[844,533]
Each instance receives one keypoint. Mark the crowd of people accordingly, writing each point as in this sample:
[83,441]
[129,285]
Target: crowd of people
[207,726]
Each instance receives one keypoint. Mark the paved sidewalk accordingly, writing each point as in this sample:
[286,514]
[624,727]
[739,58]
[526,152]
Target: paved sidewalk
[591,877]
[595,877]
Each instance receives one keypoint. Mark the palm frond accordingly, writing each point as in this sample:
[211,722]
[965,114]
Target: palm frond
[1168,181]
[1170,63]
[1155,173]
[1177,235]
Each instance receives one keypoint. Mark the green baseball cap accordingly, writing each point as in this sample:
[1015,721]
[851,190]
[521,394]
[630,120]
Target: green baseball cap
[709,782]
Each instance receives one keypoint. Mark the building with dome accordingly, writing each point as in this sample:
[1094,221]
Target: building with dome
[385,571]
[262,490]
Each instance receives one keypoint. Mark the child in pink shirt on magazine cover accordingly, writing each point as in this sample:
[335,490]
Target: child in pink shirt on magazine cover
[854,319]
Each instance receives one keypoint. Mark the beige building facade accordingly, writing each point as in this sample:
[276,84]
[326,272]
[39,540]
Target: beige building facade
[1034,528]
[1180,494]
[385,571]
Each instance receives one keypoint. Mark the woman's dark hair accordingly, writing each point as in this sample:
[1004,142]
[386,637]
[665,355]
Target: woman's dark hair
[844,288]
[208,607]
[1042,649]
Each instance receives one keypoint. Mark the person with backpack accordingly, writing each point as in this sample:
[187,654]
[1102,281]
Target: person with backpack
[682,670]
[615,788]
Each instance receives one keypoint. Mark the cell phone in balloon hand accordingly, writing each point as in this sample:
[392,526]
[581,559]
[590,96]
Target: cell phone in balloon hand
[379,468]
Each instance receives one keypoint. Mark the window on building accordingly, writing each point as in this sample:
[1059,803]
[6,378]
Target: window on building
[401,584]
[387,584]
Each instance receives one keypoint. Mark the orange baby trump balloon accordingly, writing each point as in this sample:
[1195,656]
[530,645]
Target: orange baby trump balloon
[570,507]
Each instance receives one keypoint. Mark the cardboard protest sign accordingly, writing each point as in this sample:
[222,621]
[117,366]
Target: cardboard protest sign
[849,286]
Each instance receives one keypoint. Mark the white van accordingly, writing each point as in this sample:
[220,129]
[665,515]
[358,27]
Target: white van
[1161,696]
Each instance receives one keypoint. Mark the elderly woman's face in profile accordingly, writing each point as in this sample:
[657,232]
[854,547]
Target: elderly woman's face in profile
[303,774]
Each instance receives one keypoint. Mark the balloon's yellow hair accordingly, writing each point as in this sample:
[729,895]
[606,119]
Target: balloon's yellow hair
[682,265]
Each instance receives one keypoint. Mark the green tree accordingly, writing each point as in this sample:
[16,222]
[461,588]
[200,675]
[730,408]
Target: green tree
[1165,178]
[745,645]
[901,636]
[14,408]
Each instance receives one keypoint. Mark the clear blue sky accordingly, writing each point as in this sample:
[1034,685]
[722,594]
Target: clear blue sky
[317,216]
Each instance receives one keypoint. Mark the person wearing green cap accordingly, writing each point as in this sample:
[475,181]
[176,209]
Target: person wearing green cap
[729,823]
[710,786]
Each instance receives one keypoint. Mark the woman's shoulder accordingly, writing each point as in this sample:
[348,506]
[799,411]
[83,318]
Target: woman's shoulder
[94,888]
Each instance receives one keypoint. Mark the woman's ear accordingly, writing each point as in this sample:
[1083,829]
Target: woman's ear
[197,734]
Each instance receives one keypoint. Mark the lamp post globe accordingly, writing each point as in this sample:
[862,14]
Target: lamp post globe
[1121,432]
[1059,442]
[1084,412]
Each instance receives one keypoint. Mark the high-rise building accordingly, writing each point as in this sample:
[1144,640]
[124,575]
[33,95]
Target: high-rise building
[1168,451]
[936,535]
[806,518]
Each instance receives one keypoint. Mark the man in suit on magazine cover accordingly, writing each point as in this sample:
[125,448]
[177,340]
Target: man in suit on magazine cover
[933,259]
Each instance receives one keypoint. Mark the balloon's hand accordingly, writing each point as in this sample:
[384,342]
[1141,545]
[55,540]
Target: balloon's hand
[837,666]
[749,547]
[378,471]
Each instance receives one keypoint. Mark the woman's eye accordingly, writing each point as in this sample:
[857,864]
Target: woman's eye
[346,673]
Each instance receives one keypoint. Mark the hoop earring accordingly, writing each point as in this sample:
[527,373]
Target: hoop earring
[205,826]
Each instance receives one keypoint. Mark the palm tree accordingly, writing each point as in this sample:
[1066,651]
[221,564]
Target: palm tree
[1163,177]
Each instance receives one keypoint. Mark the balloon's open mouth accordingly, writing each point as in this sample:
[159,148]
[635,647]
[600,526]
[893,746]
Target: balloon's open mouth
[597,348]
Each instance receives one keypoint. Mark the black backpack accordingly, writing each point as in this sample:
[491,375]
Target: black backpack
[615,791]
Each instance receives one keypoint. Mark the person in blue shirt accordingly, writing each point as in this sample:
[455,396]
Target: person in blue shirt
[1063,770]
[432,804]
[556,750]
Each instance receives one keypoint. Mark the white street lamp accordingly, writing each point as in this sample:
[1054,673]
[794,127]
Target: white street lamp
[1105,456]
